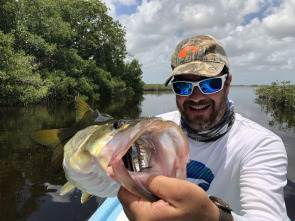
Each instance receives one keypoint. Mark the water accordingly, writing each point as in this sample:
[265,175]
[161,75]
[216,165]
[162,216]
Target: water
[29,192]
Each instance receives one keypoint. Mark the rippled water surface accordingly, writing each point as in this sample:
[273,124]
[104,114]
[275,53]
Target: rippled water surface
[29,192]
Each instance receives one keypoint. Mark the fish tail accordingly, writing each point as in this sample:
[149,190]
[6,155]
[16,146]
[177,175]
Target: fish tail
[55,139]
[57,159]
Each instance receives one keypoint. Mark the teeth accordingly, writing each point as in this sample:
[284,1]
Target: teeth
[200,107]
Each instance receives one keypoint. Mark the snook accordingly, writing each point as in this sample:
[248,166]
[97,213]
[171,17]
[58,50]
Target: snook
[96,157]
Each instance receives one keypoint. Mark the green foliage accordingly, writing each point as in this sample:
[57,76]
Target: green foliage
[18,83]
[280,93]
[8,15]
[59,49]
[157,87]
[132,76]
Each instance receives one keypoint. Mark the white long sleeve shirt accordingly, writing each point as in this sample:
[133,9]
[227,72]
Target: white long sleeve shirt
[246,167]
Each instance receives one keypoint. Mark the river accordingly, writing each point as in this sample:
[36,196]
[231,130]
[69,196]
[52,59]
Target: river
[29,192]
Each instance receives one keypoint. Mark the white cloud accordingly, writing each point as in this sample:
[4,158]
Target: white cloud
[126,2]
[112,8]
[259,35]
[281,22]
[113,4]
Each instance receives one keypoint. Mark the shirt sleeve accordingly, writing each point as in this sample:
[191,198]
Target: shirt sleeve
[263,173]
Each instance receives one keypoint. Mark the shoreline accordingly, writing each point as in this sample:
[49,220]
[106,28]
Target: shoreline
[161,87]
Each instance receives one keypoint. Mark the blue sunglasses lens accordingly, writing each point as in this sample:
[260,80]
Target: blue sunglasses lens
[207,86]
[182,88]
[212,85]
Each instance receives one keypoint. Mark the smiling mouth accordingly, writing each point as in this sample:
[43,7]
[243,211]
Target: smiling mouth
[203,107]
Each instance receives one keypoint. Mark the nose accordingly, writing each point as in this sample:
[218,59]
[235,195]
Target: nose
[197,95]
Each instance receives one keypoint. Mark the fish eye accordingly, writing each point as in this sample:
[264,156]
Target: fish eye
[118,124]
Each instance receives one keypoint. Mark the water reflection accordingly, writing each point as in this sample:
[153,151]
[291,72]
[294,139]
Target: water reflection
[121,107]
[27,189]
[282,116]
[282,122]
[29,192]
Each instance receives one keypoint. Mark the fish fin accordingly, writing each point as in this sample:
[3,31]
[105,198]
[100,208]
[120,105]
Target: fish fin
[57,159]
[50,138]
[85,196]
[66,188]
[54,138]
[82,108]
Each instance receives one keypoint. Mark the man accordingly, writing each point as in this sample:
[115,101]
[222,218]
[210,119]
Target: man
[232,158]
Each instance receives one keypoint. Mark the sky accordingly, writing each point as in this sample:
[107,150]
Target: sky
[258,35]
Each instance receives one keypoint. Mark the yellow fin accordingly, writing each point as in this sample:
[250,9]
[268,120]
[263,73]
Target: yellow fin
[54,138]
[66,188]
[82,108]
[57,159]
[50,138]
[85,196]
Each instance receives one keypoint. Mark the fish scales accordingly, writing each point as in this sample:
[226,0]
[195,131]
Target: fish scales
[93,150]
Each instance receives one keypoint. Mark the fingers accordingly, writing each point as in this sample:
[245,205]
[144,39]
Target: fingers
[126,198]
[187,201]
[179,200]
[174,191]
[137,208]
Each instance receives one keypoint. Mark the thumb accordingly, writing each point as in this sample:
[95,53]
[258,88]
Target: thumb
[170,189]
[175,191]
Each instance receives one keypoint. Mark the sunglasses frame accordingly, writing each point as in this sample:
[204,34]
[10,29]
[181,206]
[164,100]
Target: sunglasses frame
[197,83]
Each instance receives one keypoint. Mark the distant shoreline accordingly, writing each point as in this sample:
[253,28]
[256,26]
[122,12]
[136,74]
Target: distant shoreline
[161,87]
[156,87]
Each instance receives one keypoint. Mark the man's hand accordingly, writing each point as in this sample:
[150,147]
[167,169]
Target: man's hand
[179,200]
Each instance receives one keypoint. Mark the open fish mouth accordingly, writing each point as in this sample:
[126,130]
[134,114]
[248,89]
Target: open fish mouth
[138,163]
[157,147]
[99,154]
[137,158]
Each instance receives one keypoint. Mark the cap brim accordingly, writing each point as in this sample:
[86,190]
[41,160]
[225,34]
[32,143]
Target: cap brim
[200,68]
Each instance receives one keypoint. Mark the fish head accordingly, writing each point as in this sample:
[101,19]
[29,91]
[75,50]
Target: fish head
[96,159]
[159,147]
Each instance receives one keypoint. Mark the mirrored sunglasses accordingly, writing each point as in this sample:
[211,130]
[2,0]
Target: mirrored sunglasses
[207,86]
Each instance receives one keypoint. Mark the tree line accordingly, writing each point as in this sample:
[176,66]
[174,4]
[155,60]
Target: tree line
[282,94]
[57,49]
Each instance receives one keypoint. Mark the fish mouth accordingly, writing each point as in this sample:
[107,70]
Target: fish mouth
[150,147]
[137,157]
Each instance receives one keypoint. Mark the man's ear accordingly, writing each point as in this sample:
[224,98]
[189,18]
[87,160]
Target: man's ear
[228,82]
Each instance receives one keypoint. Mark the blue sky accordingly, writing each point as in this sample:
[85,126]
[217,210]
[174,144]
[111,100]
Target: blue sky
[259,35]
[125,9]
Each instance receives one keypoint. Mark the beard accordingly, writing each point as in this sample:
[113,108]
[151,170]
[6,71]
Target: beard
[199,122]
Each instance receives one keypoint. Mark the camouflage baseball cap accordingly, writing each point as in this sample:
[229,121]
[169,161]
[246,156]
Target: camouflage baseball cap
[201,55]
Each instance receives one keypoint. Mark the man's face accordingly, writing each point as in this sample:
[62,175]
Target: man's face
[202,111]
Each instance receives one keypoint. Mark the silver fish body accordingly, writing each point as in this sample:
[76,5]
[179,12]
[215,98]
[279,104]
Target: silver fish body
[94,150]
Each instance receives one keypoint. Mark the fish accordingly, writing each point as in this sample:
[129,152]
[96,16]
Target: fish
[100,154]
[57,138]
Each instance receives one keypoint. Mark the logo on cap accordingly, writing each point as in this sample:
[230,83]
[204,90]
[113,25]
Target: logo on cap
[183,53]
